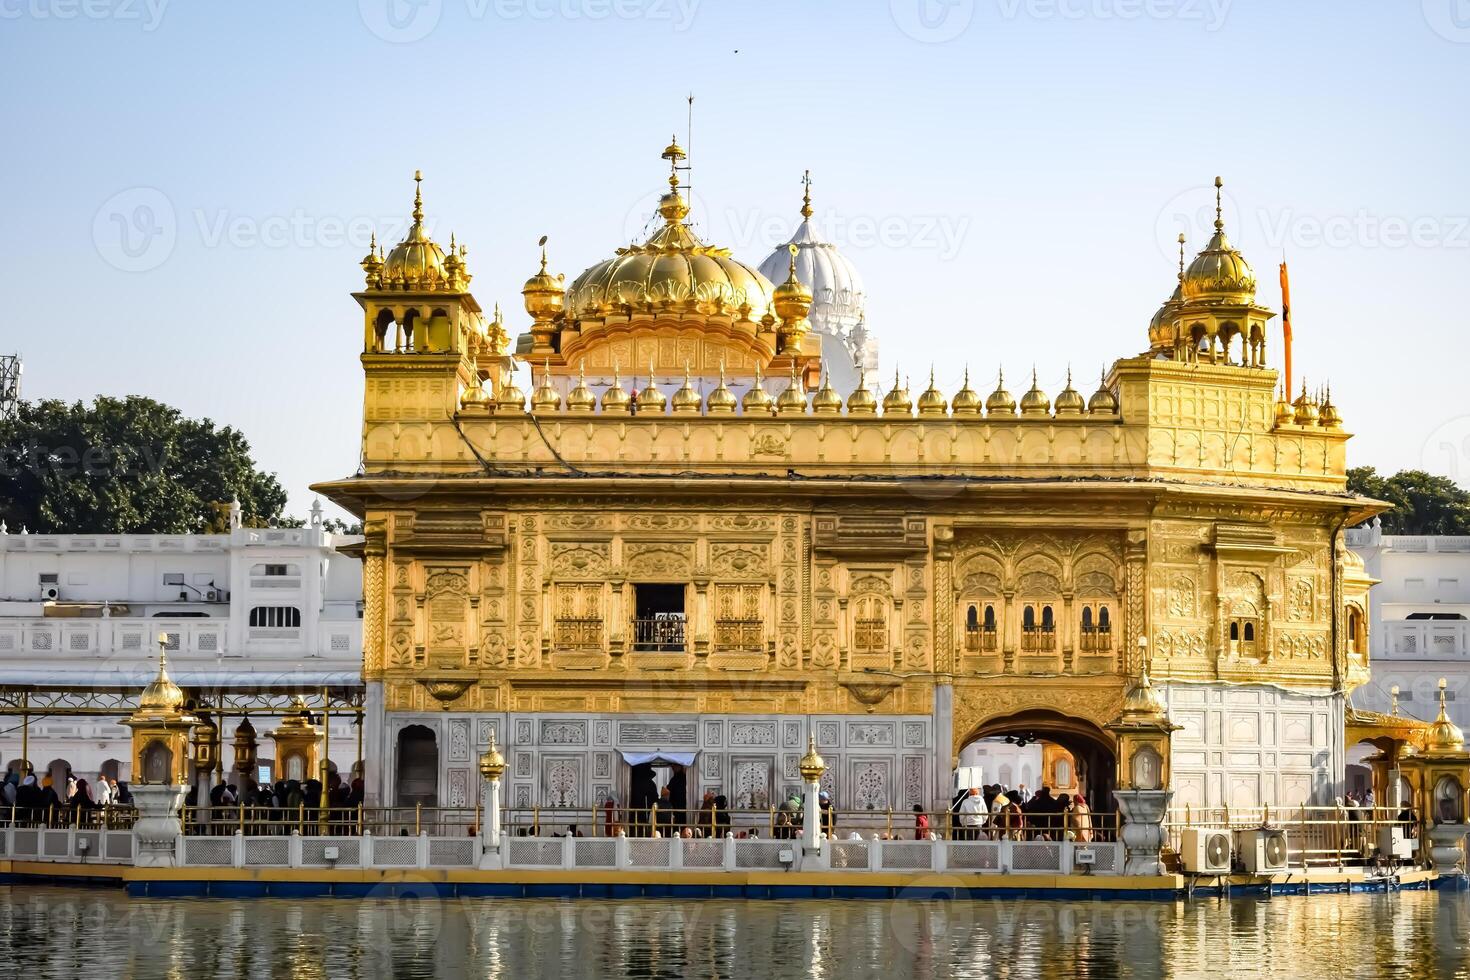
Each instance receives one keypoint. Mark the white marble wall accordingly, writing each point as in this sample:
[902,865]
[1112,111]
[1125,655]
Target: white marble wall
[875,761]
[1249,745]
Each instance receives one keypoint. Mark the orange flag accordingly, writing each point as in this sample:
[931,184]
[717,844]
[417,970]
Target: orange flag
[1286,326]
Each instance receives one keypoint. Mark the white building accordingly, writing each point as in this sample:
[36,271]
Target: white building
[257,609]
[1419,628]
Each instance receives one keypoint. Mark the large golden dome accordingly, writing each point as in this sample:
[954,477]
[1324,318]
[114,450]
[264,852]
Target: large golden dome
[1219,273]
[416,263]
[672,270]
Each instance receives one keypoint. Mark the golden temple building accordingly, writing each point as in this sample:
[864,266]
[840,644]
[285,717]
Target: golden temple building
[686,544]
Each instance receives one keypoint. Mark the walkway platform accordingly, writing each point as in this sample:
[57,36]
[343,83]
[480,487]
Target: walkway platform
[527,883]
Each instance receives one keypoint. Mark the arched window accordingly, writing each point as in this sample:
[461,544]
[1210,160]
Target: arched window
[1355,631]
[1234,630]
[990,619]
[418,766]
[1104,623]
[158,763]
[1046,618]
[1250,632]
[972,619]
[1028,618]
[870,625]
[1087,618]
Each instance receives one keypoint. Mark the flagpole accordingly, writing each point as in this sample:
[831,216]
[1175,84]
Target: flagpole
[1286,326]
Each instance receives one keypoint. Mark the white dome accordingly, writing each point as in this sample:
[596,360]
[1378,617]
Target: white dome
[837,289]
[839,303]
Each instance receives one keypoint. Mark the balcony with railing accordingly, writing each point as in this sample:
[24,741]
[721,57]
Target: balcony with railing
[739,634]
[664,633]
[577,634]
[980,639]
[1038,639]
[1425,639]
[1095,639]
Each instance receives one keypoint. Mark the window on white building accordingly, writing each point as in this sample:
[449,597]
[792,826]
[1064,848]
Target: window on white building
[275,617]
[1413,583]
[173,578]
[1449,584]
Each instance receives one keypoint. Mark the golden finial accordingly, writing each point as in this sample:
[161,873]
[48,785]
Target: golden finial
[497,313]
[806,194]
[418,196]
[543,255]
[1181,256]
[792,268]
[1219,209]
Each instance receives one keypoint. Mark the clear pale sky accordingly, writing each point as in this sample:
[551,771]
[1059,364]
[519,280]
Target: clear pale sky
[188,186]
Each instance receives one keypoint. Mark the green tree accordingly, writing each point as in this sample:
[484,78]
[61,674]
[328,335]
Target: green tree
[125,465]
[1422,502]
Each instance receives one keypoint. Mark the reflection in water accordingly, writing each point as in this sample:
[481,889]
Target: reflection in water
[50,933]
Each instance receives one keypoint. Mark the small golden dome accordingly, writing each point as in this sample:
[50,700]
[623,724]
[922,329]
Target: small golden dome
[1069,400]
[757,400]
[1000,401]
[545,294]
[581,398]
[1142,702]
[792,300]
[862,401]
[495,335]
[897,401]
[1327,416]
[1306,408]
[1035,402]
[722,400]
[492,763]
[415,263]
[792,401]
[616,398]
[372,264]
[931,399]
[1161,333]
[510,398]
[1219,273]
[161,694]
[545,398]
[1103,401]
[966,400]
[1285,414]
[1444,736]
[456,272]
[650,399]
[826,401]
[812,765]
[475,395]
[686,399]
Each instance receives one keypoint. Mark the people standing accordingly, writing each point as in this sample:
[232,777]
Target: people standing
[921,823]
[972,814]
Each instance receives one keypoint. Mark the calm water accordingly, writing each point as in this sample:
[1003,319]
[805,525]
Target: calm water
[95,934]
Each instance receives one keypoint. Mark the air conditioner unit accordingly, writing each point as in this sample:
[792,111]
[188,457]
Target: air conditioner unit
[1394,844]
[50,593]
[1263,851]
[1205,850]
[216,595]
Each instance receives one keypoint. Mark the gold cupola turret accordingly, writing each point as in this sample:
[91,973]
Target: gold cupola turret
[1327,415]
[722,400]
[651,400]
[1069,399]
[1444,736]
[581,398]
[792,301]
[792,401]
[456,272]
[757,400]
[862,401]
[966,400]
[545,299]
[1035,403]
[616,398]
[475,395]
[931,399]
[826,401]
[510,397]
[1103,401]
[897,401]
[1000,401]
[544,398]
[686,400]
[372,264]
[1305,408]
[1219,273]
[415,264]
[1285,414]
[1162,331]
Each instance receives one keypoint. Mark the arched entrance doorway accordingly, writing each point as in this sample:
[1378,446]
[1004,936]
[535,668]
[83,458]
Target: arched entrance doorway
[418,767]
[1075,755]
